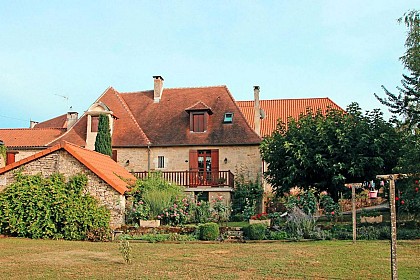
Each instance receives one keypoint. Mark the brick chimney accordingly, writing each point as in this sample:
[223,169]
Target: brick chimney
[71,119]
[257,111]
[158,88]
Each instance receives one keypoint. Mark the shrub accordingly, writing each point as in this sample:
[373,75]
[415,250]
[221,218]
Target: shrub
[306,201]
[368,233]
[156,193]
[255,232]
[209,231]
[278,235]
[38,207]
[98,235]
[247,195]
[331,208]
[177,214]
[300,225]
[200,212]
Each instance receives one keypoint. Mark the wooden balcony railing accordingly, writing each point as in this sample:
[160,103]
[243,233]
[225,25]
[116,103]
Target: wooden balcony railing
[194,179]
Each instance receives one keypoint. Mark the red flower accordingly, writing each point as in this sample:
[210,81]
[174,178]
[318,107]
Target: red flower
[332,213]
[397,198]
[402,201]
[417,182]
[417,189]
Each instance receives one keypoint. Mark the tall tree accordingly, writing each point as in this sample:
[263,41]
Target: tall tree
[407,102]
[103,138]
[326,151]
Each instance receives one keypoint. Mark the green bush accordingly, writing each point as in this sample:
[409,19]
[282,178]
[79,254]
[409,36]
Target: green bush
[209,231]
[278,235]
[38,207]
[156,193]
[255,232]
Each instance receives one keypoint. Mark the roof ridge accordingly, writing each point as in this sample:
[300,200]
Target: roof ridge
[124,104]
[35,128]
[278,99]
[143,91]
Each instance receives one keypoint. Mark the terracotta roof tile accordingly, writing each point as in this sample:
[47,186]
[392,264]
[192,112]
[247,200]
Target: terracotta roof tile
[167,123]
[283,109]
[29,137]
[57,122]
[199,106]
[103,166]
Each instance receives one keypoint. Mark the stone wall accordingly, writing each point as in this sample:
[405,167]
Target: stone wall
[239,158]
[62,162]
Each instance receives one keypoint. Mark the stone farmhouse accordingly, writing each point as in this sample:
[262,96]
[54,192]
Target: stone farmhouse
[197,137]
[107,181]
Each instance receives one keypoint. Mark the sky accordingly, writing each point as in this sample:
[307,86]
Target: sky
[57,54]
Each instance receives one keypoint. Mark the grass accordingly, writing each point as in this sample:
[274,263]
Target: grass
[47,259]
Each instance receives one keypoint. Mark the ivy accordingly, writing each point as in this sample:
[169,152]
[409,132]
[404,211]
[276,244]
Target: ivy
[38,207]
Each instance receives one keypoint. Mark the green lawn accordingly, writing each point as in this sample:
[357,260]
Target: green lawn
[46,259]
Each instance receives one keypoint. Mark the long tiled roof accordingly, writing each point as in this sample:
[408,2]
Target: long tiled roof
[283,109]
[103,166]
[29,137]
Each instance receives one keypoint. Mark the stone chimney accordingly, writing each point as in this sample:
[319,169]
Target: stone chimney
[257,111]
[32,124]
[71,119]
[158,88]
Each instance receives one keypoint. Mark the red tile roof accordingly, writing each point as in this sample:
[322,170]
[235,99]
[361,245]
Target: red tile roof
[283,109]
[166,123]
[57,122]
[29,137]
[103,166]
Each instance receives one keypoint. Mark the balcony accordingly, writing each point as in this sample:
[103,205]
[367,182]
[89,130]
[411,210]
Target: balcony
[195,179]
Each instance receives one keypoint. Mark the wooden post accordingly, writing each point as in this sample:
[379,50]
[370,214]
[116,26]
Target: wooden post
[392,178]
[353,208]
[393,228]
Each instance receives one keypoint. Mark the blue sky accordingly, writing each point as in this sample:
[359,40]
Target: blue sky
[344,50]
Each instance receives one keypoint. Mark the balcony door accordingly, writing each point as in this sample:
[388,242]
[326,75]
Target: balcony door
[204,167]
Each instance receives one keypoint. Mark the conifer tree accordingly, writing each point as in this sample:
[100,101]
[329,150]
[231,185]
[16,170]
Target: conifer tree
[103,138]
[407,102]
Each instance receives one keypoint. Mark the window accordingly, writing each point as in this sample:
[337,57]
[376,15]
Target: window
[94,123]
[198,122]
[201,196]
[161,162]
[115,155]
[228,118]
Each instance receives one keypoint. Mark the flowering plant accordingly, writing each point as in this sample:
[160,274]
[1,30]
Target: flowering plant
[260,216]
[177,214]
[140,211]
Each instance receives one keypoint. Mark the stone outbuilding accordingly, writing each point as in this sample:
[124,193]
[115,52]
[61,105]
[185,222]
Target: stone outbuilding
[107,180]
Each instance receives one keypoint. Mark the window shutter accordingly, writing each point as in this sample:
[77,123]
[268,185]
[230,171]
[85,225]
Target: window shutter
[214,165]
[193,174]
[193,160]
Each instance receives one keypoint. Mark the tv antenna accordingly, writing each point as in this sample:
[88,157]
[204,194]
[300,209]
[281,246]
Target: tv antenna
[65,97]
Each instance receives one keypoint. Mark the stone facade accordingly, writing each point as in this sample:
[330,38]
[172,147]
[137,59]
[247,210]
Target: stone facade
[62,162]
[238,158]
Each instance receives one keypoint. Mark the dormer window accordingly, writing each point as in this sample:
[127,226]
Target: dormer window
[199,116]
[228,118]
[198,122]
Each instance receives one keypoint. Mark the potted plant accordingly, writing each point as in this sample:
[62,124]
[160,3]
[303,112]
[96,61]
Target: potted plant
[261,218]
